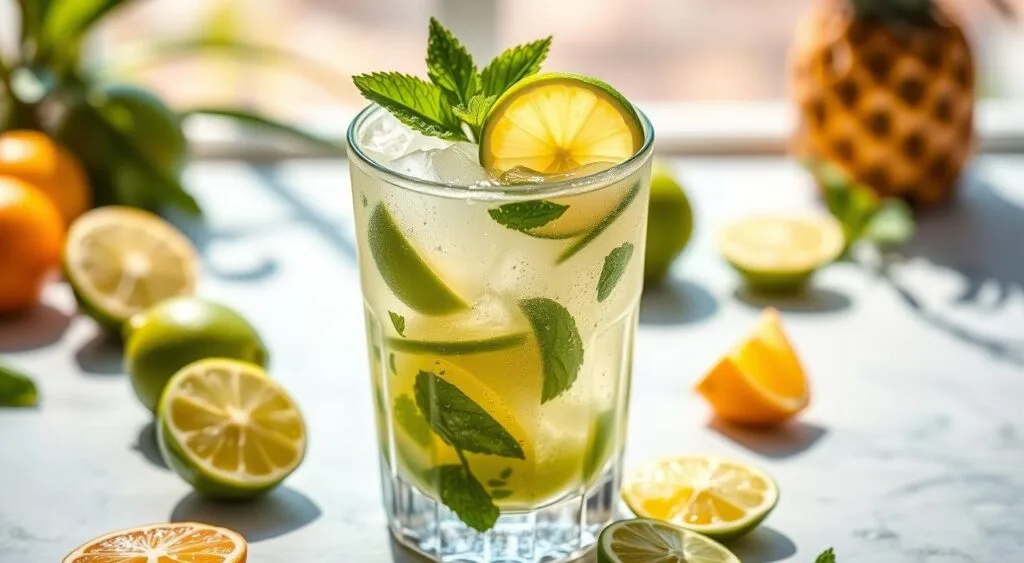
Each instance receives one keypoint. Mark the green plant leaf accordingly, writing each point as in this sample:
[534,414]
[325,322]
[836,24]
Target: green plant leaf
[614,266]
[475,113]
[600,227]
[67,21]
[450,66]
[892,225]
[827,556]
[461,492]
[398,321]
[561,348]
[257,121]
[461,422]
[16,389]
[526,215]
[513,65]
[414,101]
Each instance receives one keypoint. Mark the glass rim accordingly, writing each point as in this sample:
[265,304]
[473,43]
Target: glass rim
[465,191]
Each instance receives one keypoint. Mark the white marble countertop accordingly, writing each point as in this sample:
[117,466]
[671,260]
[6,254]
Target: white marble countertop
[912,450]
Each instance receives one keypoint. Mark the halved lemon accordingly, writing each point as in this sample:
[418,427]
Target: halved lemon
[777,253]
[182,541]
[718,498]
[760,382]
[228,429]
[557,122]
[642,540]
[120,261]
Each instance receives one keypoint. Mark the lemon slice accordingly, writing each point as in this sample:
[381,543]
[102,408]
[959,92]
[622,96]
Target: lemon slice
[411,279]
[717,498]
[120,261]
[554,123]
[646,541]
[781,253]
[228,429]
[182,541]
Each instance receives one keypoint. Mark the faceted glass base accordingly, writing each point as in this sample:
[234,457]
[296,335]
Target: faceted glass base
[561,531]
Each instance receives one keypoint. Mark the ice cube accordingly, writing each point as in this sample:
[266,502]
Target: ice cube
[525,175]
[385,139]
[416,164]
[459,164]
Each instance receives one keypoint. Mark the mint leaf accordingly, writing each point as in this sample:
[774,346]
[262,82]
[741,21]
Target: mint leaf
[498,494]
[417,103]
[461,492]
[513,65]
[600,227]
[391,363]
[496,483]
[525,215]
[827,556]
[506,473]
[461,422]
[450,66]
[409,418]
[614,266]
[475,112]
[398,321]
[16,389]
[561,348]
[893,224]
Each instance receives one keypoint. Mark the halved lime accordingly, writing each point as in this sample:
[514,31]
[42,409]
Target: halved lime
[557,122]
[120,261]
[718,498]
[228,429]
[778,253]
[410,278]
[647,541]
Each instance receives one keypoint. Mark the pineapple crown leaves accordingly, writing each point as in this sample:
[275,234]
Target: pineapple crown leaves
[456,100]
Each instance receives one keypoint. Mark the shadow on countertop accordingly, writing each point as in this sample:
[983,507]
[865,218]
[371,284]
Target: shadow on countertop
[792,438]
[813,300]
[146,445]
[677,301]
[203,236]
[279,512]
[103,354]
[39,326]
[763,545]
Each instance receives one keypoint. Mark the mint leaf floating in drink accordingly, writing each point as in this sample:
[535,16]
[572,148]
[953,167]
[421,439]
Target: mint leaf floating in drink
[614,266]
[525,215]
[417,103]
[461,422]
[461,492]
[16,389]
[450,66]
[561,347]
[398,321]
[514,65]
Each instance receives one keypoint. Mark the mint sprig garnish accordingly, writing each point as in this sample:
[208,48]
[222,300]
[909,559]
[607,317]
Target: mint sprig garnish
[454,104]
[561,348]
[614,266]
[526,215]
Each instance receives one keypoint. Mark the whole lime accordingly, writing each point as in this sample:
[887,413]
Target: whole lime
[669,224]
[181,330]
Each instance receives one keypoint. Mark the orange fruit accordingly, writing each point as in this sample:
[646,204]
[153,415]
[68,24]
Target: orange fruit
[31,236]
[761,381]
[40,161]
[184,541]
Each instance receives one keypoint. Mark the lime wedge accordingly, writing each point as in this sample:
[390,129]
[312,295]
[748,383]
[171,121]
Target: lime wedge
[456,348]
[717,498]
[554,123]
[646,541]
[120,261]
[404,271]
[775,253]
[228,429]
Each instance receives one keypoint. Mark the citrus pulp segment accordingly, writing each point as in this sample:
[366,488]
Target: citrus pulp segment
[557,122]
[411,279]
[228,429]
[180,541]
[120,261]
[718,498]
[645,541]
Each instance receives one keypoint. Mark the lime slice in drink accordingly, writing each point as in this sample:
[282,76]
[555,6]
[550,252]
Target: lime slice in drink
[720,499]
[410,278]
[120,261]
[645,541]
[777,253]
[457,347]
[556,122]
[228,429]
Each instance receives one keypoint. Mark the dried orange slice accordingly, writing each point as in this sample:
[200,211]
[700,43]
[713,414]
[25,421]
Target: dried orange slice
[164,543]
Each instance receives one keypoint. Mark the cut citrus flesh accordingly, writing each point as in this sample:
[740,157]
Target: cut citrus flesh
[121,260]
[761,381]
[718,498]
[164,543]
[410,278]
[554,123]
[776,251]
[643,540]
[228,429]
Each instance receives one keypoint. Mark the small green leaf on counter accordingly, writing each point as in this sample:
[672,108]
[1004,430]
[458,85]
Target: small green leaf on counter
[827,556]
[16,389]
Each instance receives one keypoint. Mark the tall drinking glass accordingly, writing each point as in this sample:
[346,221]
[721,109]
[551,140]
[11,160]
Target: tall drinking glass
[500,353]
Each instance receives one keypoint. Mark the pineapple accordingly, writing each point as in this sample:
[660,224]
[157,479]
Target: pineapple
[885,89]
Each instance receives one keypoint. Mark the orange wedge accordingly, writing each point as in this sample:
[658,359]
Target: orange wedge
[761,382]
[164,543]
